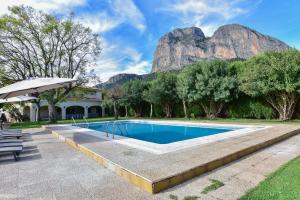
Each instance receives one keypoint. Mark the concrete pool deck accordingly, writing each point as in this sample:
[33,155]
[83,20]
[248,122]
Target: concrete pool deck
[154,173]
[49,169]
[157,148]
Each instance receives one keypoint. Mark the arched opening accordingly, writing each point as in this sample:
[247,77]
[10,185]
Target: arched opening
[26,113]
[44,113]
[95,111]
[58,113]
[76,112]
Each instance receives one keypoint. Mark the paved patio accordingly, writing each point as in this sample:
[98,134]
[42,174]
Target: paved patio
[153,172]
[50,169]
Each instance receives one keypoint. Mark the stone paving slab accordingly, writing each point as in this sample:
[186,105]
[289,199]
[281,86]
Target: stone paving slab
[172,168]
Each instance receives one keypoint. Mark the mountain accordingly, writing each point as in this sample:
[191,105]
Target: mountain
[188,45]
[120,79]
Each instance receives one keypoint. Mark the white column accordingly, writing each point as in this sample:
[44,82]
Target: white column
[63,113]
[86,112]
[103,111]
[33,110]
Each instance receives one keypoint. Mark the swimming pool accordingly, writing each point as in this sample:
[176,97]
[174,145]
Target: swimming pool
[162,136]
[157,133]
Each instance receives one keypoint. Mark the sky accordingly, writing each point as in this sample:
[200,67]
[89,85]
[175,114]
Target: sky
[130,29]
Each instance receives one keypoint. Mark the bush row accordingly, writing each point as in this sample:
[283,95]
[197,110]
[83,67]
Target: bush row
[264,87]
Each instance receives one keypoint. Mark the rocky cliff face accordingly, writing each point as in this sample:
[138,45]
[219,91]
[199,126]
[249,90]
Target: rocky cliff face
[189,45]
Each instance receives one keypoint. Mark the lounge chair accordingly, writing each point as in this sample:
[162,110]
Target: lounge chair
[10,134]
[12,149]
[10,144]
[5,140]
[11,130]
[8,131]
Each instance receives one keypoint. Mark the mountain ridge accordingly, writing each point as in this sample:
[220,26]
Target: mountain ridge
[184,46]
[122,78]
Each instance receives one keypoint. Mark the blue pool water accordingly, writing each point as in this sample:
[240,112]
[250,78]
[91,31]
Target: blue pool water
[157,133]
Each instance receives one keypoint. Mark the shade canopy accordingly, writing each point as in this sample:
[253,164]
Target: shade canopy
[17,99]
[36,85]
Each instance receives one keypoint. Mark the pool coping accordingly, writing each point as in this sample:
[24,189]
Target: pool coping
[157,185]
[173,146]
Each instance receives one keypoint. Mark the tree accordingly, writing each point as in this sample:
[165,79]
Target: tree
[185,85]
[163,91]
[4,80]
[133,95]
[126,105]
[114,96]
[274,76]
[35,44]
[215,85]
[150,97]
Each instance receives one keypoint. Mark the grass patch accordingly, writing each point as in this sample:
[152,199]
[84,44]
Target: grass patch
[235,120]
[24,125]
[190,198]
[282,184]
[215,184]
[173,197]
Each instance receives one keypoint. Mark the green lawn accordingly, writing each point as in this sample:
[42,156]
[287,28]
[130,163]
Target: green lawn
[39,124]
[284,184]
[235,120]
[219,120]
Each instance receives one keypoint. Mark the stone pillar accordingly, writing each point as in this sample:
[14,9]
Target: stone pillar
[63,113]
[33,111]
[86,112]
[103,111]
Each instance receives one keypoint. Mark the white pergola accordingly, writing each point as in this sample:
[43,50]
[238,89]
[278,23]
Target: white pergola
[17,99]
[35,85]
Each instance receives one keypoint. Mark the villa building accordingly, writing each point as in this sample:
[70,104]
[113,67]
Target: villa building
[88,106]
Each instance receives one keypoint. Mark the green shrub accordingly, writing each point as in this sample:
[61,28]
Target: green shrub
[249,108]
[158,111]
[195,111]
[178,110]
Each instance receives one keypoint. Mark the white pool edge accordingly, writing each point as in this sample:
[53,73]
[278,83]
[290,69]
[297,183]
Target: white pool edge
[171,147]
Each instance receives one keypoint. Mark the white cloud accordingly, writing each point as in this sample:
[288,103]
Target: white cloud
[201,8]
[208,29]
[44,5]
[116,59]
[122,12]
[100,22]
[129,12]
[200,12]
